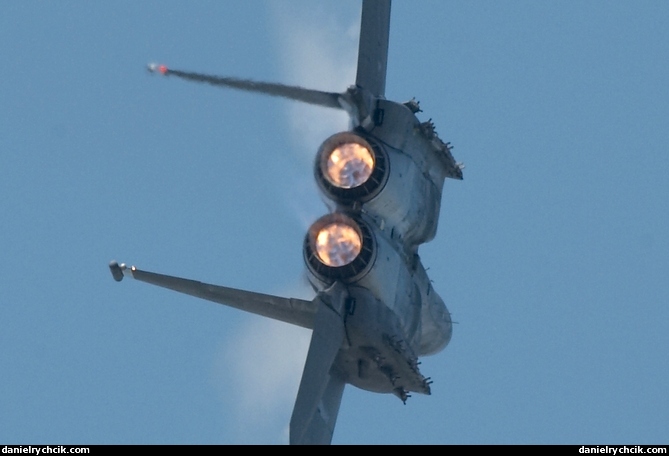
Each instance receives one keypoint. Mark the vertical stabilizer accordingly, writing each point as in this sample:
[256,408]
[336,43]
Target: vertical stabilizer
[321,387]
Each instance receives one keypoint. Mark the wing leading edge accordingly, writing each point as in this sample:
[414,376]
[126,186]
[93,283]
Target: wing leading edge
[290,310]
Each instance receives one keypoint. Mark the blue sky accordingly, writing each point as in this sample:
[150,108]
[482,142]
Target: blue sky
[552,254]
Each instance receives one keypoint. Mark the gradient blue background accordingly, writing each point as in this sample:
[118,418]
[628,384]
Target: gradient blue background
[552,254]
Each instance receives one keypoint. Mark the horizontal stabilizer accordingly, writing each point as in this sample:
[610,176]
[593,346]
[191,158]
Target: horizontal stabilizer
[295,311]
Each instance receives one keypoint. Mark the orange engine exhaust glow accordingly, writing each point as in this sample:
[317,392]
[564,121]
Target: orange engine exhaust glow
[349,165]
[338,244]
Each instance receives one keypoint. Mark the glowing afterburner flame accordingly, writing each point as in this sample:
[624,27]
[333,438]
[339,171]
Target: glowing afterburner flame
[349,165]
[338,244]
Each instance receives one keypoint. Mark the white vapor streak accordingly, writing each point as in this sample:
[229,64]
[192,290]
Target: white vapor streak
[265,358]
[317,46]
[319,51]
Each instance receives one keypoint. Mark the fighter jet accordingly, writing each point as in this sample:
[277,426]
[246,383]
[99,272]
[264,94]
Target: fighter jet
[375,311]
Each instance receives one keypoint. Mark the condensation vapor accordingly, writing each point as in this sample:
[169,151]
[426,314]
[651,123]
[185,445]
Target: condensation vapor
[317,44]
[317,47]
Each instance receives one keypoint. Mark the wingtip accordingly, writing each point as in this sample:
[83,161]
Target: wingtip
[116,270]
[157,68]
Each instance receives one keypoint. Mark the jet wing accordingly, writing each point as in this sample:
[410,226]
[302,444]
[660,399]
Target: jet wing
[373,47]
[295,311]
[314,97]
[322,385]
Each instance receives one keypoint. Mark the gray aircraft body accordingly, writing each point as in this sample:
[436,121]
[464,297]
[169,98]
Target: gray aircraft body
[375,311]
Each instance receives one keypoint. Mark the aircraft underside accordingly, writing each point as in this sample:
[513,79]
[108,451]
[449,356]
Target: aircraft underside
[375,310]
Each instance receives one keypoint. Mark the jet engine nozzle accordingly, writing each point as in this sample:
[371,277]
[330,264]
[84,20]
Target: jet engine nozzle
[338,247]
[349,168]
